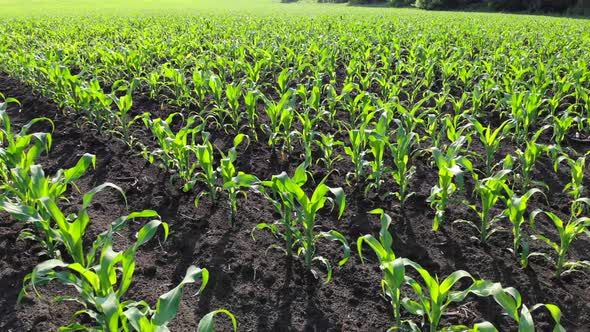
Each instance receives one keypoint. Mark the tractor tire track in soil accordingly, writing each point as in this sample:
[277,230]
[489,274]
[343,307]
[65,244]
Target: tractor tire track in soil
[265,290]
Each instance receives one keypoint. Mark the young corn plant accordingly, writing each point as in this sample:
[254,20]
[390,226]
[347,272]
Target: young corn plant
[124,104]
[215,85]
[209,175]
[327,143]
[575,188]
[524,111]
[278,114]
[283,201]
[200,87]
[394,269]
[528,159]
[27,186]
[176,83]
[153,82]
[378,141]
[307,134]
[491,140]
[101,284]
[561,126]
[251,98]
[233,93]
[304,209]
[410,117]
[515,211]
[433,128]
[20,150]
[450,169]
[287,133]
[138,315]
[176,150]
[568,231]
[511,302]
[284,80]
[233,181]
[402,150]
[356,150]
[490,191]
[456,127]
[434,296]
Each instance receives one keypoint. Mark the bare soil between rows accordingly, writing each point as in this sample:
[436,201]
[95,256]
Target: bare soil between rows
[265,290]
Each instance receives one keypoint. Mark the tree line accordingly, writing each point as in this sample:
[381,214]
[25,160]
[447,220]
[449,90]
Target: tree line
[579,7]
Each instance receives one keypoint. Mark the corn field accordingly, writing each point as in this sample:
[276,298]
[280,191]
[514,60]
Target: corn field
[399,170]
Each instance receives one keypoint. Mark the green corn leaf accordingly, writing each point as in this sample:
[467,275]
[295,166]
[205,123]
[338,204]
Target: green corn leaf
[207,323]
[167,305]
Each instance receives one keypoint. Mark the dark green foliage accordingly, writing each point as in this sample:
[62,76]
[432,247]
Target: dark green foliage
[532,5]
[430,4]
[559,6]
[444,4]
[401,3]
[365,2]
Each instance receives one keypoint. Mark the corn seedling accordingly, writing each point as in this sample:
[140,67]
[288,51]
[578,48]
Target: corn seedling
[251,98]
[307,134]
[449,170]
[327,143]
[491,139]
[434,296]
[226,171]
[456,128]
[402,150]
[568,232]
[524,111]
[378,141]
[528,159]
[490,191]
[234,181]
[124,105]
[511,302]
[35,202]
[283,201]
[176,150]
[57,228]
[575,188]
[278,114]
[284,80]
[561,126]
[305,208]
[175,83]
[515,211]
[207,174]
[20,149]
[356,150]
[233,93]
[393,268]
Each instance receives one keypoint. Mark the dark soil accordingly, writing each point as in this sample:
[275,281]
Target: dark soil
[264,289]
